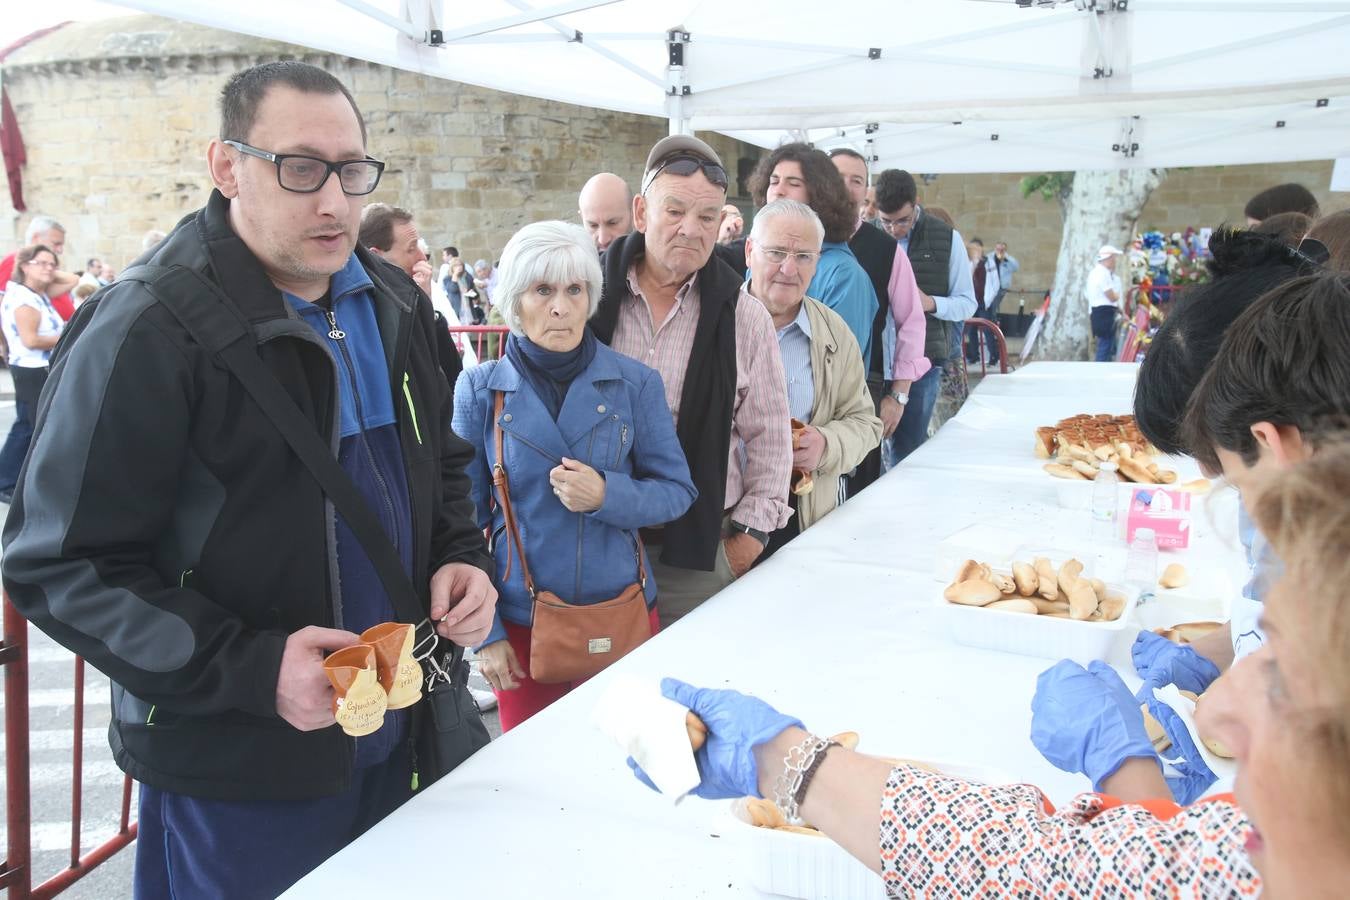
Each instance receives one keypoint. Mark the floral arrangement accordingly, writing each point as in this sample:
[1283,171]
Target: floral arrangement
[1176,260]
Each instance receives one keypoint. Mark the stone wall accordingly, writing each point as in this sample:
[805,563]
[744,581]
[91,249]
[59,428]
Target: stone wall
[117,114]
[991,207]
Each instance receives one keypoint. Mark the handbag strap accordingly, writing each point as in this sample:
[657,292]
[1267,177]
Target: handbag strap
[502,483]
[221,329]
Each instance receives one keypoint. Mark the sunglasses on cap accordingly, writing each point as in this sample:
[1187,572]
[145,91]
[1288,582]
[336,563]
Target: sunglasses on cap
[687,165]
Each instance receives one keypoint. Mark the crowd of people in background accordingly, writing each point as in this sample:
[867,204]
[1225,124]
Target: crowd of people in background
[670,398]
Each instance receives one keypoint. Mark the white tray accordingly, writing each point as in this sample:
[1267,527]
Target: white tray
[1043,636]
[816,868]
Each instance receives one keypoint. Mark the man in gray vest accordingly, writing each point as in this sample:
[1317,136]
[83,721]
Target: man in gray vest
[937,253]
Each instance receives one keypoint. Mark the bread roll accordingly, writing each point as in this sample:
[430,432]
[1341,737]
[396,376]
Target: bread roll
[1024,576]
[1174,576]
[1047,584]
[1014,604]
[1050,607]
[764,813]
[1082,600]
[698,732]
[846,739]
[1100,587]
[1186,632]
[973,593]
[1006,584]
[1060,471]
[969,571]
[1133,471]
[1153,728]
[1087,470]
[1111,607]
[1068,575]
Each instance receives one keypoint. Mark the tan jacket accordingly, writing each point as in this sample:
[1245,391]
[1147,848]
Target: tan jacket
[842,410]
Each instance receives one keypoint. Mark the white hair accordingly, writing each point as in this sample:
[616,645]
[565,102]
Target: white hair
[786,208]
[549,252]
[39,225]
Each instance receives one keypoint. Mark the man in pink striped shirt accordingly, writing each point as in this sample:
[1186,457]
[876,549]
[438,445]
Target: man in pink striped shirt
[669,302]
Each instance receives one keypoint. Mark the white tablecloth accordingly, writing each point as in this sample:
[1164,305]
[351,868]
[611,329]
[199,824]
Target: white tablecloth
[840,629]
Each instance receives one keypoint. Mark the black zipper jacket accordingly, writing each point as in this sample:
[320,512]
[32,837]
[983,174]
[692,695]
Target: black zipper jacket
[164,530]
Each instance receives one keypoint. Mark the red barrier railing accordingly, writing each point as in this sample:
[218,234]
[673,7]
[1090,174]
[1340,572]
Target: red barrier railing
[17,873]
[487,341]
[976,326]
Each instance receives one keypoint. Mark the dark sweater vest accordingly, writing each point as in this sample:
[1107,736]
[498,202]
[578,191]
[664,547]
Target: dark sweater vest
[875,251]
[930,252]
[706,403]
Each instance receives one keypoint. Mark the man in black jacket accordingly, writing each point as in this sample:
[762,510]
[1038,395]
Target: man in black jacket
[672,304]
[164,530]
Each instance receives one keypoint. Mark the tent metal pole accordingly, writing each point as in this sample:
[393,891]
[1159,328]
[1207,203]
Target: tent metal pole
[526,17]
[677,87]
[394,22]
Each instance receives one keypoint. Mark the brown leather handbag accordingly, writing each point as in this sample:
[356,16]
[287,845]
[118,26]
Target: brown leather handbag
[571,642]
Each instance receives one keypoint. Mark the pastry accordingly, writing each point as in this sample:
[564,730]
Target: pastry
[1014,604]
[1047,584]
[698,732]
[1082,600]
[1024,576]
[973,593]
[1174,576]
[1187,632]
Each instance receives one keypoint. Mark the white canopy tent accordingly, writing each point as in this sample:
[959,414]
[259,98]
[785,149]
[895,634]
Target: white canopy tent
[929,85]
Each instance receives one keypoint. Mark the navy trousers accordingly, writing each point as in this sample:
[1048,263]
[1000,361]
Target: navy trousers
[188,847]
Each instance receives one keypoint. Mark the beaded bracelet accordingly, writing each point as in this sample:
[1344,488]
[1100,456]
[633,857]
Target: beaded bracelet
[788,786]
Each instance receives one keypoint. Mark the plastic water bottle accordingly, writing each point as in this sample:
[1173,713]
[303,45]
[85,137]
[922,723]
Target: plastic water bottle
[1104,491]
[1141,562]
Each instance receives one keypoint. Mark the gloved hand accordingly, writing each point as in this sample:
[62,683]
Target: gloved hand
[1187,775]
[736,725]
[1086,720]
[1160,663]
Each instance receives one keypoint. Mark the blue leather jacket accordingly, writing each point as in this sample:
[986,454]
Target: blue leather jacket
[615,419]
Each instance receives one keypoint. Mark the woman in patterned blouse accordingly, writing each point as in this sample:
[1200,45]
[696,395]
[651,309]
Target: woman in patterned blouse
[1284,712]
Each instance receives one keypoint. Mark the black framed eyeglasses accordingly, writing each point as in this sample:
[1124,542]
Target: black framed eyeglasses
[306,175]
[687,165]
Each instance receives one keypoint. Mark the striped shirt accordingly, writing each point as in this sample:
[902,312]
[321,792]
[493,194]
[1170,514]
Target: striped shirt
[760,466]
[794,346]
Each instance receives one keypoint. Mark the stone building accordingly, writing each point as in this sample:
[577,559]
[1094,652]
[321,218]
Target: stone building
[117,113]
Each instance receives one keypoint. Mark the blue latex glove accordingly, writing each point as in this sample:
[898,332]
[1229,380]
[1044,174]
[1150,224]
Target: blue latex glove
[1189,777]
[1160,663]
[737,724]
[1086,720]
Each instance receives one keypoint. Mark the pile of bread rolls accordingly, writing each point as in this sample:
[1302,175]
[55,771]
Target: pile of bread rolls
[1077,447]
[1036,588]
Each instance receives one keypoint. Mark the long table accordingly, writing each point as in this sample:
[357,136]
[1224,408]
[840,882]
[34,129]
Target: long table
[841,628]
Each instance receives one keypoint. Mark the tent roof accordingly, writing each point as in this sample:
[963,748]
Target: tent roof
[933,85]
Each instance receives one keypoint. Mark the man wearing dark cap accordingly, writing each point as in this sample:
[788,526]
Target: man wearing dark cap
[669,302]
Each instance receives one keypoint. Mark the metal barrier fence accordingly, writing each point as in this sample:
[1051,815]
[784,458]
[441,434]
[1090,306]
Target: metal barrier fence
[486,341]
[17,873]
[978,327]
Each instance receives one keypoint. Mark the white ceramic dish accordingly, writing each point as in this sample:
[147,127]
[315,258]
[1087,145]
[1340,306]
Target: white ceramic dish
[787,864]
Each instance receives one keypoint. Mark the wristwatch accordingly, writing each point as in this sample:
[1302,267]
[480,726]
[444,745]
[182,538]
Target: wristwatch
[899,397]
[755,533]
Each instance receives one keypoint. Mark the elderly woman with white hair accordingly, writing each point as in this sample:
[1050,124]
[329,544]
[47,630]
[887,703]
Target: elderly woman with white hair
[576,450]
